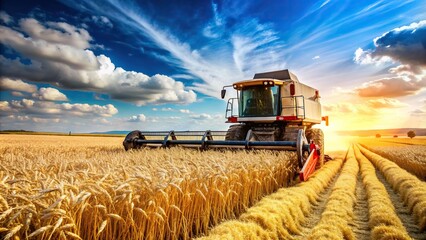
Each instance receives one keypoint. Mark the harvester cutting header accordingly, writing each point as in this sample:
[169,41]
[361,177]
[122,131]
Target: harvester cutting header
[271,111]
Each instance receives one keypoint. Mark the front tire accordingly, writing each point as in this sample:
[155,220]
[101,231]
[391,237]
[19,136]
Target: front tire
[236,132]
[317,136]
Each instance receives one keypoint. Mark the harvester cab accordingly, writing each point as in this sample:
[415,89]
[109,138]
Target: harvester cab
[271,111]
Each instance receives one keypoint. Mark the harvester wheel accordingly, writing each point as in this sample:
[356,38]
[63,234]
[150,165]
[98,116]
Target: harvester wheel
[317,135]
[236,132]
[129,140]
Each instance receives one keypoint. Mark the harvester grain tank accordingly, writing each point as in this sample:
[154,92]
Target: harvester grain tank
[271,111]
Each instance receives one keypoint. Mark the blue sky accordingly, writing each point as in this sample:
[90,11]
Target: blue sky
[86,66]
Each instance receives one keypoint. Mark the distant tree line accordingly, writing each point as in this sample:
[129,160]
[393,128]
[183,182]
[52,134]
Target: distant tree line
[410,134]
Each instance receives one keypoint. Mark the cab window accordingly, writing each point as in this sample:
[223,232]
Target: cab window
[259,101]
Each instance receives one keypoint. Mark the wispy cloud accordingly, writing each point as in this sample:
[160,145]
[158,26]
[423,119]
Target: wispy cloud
[251,45]
[248,47]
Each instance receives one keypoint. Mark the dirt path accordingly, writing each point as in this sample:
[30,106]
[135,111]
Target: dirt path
[315,216]
[359,224]
[402,211]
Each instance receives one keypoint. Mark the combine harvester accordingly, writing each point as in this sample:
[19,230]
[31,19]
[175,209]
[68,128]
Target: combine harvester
[271,111]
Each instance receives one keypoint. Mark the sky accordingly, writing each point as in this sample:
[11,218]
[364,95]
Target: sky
[93,66]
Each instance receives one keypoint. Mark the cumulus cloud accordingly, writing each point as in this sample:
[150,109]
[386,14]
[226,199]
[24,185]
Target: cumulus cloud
[57,57]
[49,94]
[365,57]
[19,86]
[137,118]
[58,32]
[316,57]
[6,18]
[44,51]
[391,87]
[406,45]
[16,85]
[43,109]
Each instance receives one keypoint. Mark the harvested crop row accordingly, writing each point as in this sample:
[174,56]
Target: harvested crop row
[339,209]
[383,221]
[409,157]
[411,189]
[280,214]
[81,187]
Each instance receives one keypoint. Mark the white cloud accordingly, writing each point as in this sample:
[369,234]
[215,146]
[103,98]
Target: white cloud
[366,57]
[58,32]
[51,110]
[405,45]
[102,21]
[16,85]
[42,50]
[202,116]
[154,109]
[80,109]
[6,18]
[184,111]
[137,118]
[316,57]
[50,94]
[44,94]
[52,53]
[4,106]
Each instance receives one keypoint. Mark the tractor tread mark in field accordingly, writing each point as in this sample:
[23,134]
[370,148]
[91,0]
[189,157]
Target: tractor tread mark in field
[364,221]
[317,209]
[360,220]
[401,210]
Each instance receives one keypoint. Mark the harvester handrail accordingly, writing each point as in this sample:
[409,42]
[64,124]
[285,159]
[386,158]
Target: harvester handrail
[230,108]
[295,105]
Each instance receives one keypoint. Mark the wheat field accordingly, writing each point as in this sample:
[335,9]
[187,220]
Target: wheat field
[409,154]
[69,187]
[88,187]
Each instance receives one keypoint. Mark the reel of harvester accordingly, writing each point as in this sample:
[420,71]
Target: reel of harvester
[307,153]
